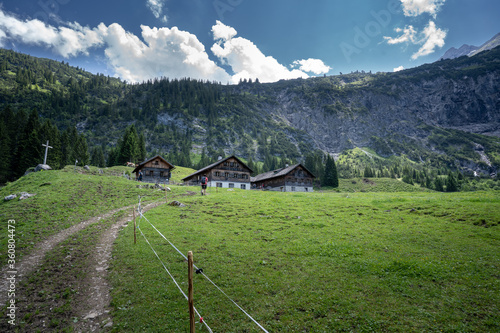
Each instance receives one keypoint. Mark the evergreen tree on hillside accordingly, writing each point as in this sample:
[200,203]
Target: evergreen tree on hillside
[451,183]
[129,148]
[29,153]
[5,157]
[330,178]
[97,158]
[82,151]
[142,148]
[438,184]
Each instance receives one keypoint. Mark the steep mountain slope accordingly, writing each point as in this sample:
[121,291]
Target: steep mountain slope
[437,113]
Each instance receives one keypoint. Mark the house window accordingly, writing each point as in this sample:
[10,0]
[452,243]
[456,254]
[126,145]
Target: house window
[156,163]
[293,188]
[231,164]
[231,185]
[307,190]
[218,184]
[217,174]
[243,186]
[161,173]
[226,174]
[235,176]
[225,163]
[151,173]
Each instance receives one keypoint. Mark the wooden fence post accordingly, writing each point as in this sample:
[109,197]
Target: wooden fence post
[135,239]
[190,292]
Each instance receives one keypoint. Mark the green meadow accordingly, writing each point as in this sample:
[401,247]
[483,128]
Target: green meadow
[315,262]
[375,255]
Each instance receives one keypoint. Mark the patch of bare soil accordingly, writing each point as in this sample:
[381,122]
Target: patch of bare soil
[94,298]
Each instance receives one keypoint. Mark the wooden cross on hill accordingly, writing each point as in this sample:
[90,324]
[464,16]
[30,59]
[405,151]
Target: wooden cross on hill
[46,151]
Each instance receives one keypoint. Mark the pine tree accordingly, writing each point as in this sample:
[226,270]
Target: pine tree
[81,151]
[142,148]
[97,158]
[330,178]
[129,148]
[29,153]
[451,183]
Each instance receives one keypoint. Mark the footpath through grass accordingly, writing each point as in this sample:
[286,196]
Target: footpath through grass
[316,262]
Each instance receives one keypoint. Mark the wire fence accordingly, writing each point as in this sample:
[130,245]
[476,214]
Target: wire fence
[198,270]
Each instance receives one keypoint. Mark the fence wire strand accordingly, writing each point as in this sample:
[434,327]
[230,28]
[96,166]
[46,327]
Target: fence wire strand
[204,275]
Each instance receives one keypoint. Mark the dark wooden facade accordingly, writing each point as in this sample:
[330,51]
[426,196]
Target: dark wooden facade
[229,172]
[295,178]
[154,170]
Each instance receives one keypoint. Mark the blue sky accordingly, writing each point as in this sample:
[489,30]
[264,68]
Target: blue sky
[228,40]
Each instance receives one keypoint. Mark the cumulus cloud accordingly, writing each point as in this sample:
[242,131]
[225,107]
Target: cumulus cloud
[315,66]
[157,52]
[164,52]
[430,38]
[418,7]
[397,69]
[245,58]
[66,41]
[156,7]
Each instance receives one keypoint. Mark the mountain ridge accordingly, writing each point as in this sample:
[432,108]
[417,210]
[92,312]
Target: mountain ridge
[471,50]
[433,113]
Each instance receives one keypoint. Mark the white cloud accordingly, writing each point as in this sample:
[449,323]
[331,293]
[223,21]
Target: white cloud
[156,7]
[66,41]
[245,58]
[315,66]
[418,7]
[397,69]
[430,38]
[164,52]
[434,37]
[157,52]
[409,35]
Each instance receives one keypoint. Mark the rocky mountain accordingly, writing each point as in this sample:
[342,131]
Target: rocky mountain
[463,50]
[445,114]
[471,50]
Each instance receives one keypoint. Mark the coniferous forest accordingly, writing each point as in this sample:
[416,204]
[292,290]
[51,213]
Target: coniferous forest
[103,121]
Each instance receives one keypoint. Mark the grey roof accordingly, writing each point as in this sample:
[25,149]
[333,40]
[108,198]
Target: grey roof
[138,167]
[278,173]
[208,167]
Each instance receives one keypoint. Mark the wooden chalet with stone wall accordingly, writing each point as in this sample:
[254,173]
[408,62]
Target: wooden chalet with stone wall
[154,170]
[295,178]
[229,172]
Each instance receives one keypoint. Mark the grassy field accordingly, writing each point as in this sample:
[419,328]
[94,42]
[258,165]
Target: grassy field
[63,198]
[316,262]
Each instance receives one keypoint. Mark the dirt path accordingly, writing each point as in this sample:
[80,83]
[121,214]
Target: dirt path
[31,261]
[94,294]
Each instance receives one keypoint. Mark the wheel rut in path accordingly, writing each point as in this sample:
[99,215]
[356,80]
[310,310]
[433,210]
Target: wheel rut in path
[94,299]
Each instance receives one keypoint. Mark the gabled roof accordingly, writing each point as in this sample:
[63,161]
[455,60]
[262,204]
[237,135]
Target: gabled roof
[140,165]
[278,173]
[211,166]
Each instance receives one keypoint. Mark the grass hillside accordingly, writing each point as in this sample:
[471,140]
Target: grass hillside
[64,198]
[377,185]
[316,262]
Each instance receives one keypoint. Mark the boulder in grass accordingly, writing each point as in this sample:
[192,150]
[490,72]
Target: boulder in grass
[10,197]
[41,167]
[86,167]
[176,203]
[26,195]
